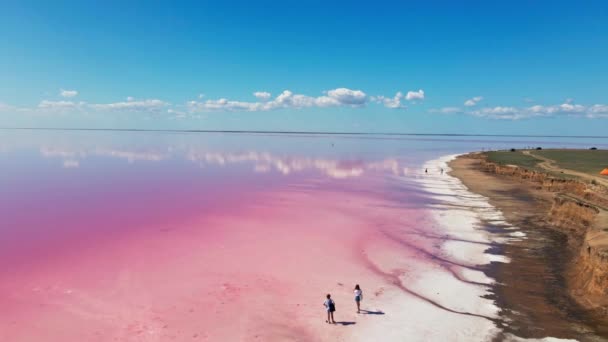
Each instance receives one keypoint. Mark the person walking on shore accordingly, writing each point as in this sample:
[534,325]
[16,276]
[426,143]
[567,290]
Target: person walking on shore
[358,297]
[330,306]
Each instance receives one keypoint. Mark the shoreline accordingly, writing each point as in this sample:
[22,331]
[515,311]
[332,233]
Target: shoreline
[533,290]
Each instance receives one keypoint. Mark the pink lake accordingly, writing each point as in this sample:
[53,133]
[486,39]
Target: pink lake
[143,236]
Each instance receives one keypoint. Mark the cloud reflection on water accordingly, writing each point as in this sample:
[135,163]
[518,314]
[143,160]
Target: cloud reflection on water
[74,155]
[265,162]
[262,162]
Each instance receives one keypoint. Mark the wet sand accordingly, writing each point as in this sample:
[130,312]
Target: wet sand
[531,290]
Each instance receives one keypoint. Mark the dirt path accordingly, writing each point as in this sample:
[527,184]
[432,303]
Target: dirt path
[549,165]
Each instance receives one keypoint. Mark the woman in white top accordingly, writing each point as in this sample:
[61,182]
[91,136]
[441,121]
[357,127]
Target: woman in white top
[358,297]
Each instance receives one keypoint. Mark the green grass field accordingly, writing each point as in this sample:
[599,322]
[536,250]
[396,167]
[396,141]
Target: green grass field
[513,158]
[587,161]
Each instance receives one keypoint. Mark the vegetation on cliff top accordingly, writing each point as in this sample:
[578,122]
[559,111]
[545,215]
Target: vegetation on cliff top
[517,158]
[585,163]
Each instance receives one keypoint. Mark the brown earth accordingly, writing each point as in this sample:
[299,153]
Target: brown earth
[557,281]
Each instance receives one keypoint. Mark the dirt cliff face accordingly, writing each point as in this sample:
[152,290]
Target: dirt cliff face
[576,209]
[572,217]
[589,270]
[587,273]
[590,276]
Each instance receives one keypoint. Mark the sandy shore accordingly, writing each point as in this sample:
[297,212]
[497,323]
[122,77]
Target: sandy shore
[531,290]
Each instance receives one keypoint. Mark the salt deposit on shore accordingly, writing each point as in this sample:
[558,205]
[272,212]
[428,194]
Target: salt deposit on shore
[456,281]
[449,288]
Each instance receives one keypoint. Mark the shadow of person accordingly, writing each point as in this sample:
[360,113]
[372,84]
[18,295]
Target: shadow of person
[346,323]
[368,312]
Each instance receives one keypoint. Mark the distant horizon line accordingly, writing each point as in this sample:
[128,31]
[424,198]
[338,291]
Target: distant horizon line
[85,129]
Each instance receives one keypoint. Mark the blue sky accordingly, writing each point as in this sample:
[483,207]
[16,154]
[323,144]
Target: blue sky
[529,67]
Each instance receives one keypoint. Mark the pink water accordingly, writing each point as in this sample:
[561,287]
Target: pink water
[161,237]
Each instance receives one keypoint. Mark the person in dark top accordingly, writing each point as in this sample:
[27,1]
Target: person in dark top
[330,306]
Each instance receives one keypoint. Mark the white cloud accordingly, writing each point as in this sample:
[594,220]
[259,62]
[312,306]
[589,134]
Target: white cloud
[597,111]
[498,113]
[567,108]
[498,110]
[5,108]
[396,102]
[68,93]
[132,105]
[415,95]
[570,108]
[287,99]
[262,95]
[473,101]
[200,96]
[446,110]
[176,113]
[45,104]
[513,113]
[224,104]
[348,97]
[63,106]
[391,102]
[339,97]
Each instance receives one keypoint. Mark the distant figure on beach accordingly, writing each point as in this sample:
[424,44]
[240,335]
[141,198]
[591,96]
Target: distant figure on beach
[330,306]
[358,297]
[426,170]
[441,170]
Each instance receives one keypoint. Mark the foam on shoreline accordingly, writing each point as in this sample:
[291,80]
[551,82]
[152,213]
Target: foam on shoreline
[452,280]
[465,218]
